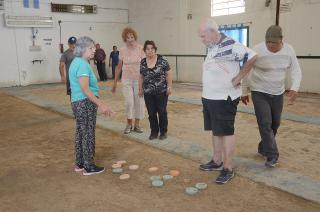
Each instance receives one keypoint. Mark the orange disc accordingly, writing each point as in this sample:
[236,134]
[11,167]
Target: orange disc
[174,173]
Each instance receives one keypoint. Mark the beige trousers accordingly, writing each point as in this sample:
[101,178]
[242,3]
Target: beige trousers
[134,104]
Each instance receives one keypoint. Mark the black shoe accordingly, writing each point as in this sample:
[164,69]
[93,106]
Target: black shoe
[271,162]
[211,166]
[163,136]
[153,136]
[225,176]
[93,170]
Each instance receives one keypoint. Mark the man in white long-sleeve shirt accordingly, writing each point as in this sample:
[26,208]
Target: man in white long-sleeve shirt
[267,84]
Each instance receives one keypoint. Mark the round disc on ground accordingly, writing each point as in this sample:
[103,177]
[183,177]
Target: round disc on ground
[116,166]
[153,178]
[191,190]
[133,167]
[121,162]
[201,186]
[167,177]
[153,169]
[124,177]
[174,173]
[157,183]
[117,170]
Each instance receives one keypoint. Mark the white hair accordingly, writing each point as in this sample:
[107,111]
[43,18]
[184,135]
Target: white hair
[81,45]
[210,24]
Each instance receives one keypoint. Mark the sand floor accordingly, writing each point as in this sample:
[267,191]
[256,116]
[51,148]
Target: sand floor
[36,154]
[298,143]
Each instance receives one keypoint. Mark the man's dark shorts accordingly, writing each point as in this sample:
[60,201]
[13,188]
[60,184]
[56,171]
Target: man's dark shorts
[219,115]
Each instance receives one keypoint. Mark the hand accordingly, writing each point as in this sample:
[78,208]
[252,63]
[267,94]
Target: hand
[292,96]
[169,91]
[236,82]
[114,88]
[106,110]
[140,92]
[245,99]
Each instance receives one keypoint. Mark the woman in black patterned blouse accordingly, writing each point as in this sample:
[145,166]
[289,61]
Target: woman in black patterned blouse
[155,84]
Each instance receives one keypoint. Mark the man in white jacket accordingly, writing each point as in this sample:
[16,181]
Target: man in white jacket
[267,84]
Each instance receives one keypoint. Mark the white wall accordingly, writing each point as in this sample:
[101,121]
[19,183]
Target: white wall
[165,21]
[16,67]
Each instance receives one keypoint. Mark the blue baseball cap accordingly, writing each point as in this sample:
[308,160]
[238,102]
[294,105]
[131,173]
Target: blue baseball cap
[72,40]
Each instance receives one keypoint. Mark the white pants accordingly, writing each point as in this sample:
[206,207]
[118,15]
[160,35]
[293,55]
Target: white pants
[134,104]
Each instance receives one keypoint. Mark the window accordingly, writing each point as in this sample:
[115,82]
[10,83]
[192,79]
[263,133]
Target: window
[239,33]
[227,7]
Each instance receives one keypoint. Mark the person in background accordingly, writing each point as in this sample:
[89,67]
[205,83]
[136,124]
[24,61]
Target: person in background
[156,85]
[85,102]
[114,60]
[267,84]
[130,57]
[100,61]
[65,61]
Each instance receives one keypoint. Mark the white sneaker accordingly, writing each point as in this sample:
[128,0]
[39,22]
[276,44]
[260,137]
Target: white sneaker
[128,129]
[137,129]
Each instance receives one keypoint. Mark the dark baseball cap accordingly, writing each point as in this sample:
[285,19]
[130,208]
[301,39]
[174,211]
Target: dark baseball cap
[274,34]
[72,40]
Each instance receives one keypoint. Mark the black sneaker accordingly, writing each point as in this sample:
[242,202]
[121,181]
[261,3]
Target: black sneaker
[225,176]
[163,136]
[153,136]
[93,170]
[211,166]
[271,162]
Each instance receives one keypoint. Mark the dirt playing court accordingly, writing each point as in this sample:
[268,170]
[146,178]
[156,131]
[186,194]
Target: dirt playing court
[37,167]
[298,143]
